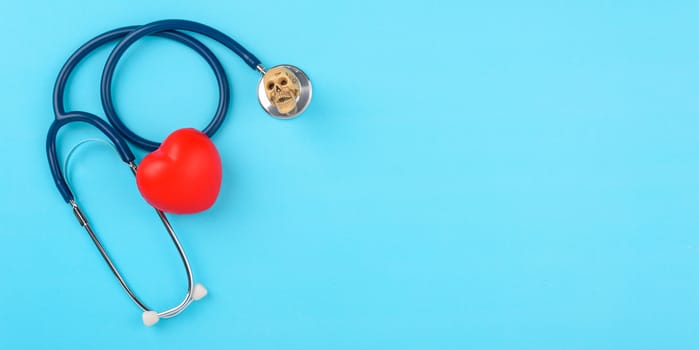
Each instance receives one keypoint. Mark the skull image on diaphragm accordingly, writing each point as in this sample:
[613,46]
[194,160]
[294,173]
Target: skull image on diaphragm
[282,89]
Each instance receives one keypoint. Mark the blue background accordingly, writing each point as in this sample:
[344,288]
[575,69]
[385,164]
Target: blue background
[490,174]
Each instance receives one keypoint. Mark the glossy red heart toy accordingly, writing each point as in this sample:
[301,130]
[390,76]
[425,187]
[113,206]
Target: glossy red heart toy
[182,176]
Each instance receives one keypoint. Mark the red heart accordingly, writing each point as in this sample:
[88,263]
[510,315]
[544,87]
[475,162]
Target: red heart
[182,176]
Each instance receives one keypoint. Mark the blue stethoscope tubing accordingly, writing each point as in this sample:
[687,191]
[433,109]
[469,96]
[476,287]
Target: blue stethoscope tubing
[118,133]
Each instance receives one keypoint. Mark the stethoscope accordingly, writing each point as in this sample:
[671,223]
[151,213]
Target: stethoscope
[283,91]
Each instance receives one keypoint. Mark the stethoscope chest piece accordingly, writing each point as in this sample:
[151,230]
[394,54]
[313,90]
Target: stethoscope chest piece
[284,91]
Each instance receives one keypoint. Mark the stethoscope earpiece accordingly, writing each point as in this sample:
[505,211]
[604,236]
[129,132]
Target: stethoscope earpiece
[284,91]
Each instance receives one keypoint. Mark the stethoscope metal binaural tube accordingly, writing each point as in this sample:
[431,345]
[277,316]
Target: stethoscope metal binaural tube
[190,280]
[82,219]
